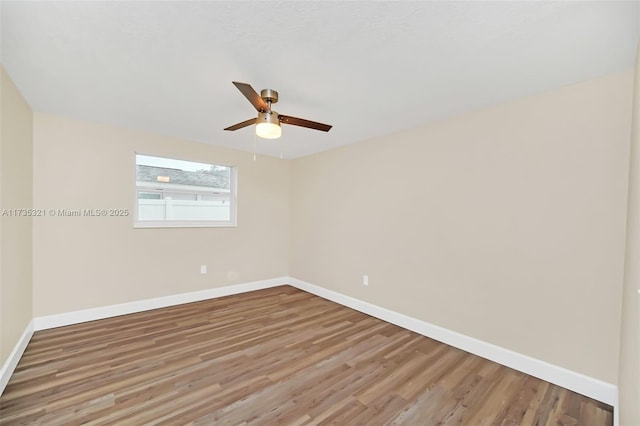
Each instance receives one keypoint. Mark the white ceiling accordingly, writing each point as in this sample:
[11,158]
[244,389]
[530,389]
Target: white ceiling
[368,68]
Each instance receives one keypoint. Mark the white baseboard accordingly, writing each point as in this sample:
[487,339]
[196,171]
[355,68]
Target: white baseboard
[10,364]
[75,317]
[577,382]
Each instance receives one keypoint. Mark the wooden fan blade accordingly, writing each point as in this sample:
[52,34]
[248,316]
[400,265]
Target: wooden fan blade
[294,121]
[252,96]
[246,123]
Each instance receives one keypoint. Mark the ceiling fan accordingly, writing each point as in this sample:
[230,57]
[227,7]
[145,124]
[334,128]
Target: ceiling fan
[268,121]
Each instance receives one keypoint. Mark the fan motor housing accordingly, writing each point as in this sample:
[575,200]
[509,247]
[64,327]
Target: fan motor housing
[268,117]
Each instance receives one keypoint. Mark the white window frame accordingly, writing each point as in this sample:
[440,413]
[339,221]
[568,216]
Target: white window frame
[233,200]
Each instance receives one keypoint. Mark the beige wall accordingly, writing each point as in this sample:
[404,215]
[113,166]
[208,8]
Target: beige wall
[86,262]
[629,377]
[16,152]
[505,224]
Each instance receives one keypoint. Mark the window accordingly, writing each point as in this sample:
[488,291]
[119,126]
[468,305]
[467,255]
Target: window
[175,193]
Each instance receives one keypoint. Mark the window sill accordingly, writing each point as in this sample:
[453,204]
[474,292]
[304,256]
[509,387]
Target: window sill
[180,224]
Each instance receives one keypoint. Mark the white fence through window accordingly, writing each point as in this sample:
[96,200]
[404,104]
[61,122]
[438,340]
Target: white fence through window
[170,209]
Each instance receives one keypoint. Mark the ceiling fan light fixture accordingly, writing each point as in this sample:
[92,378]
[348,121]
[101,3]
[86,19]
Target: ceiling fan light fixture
[268,125]
[268,121]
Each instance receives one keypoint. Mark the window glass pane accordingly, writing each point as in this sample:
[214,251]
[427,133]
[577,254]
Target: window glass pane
[149,196]
[180,191]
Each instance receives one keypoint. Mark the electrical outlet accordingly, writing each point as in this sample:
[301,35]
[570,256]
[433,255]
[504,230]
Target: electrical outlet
[365,280]
[203,269]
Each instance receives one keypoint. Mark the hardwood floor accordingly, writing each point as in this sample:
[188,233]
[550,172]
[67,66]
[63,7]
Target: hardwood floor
[274,356]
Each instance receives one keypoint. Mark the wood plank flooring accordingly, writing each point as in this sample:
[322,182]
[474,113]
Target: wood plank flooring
[274,356]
